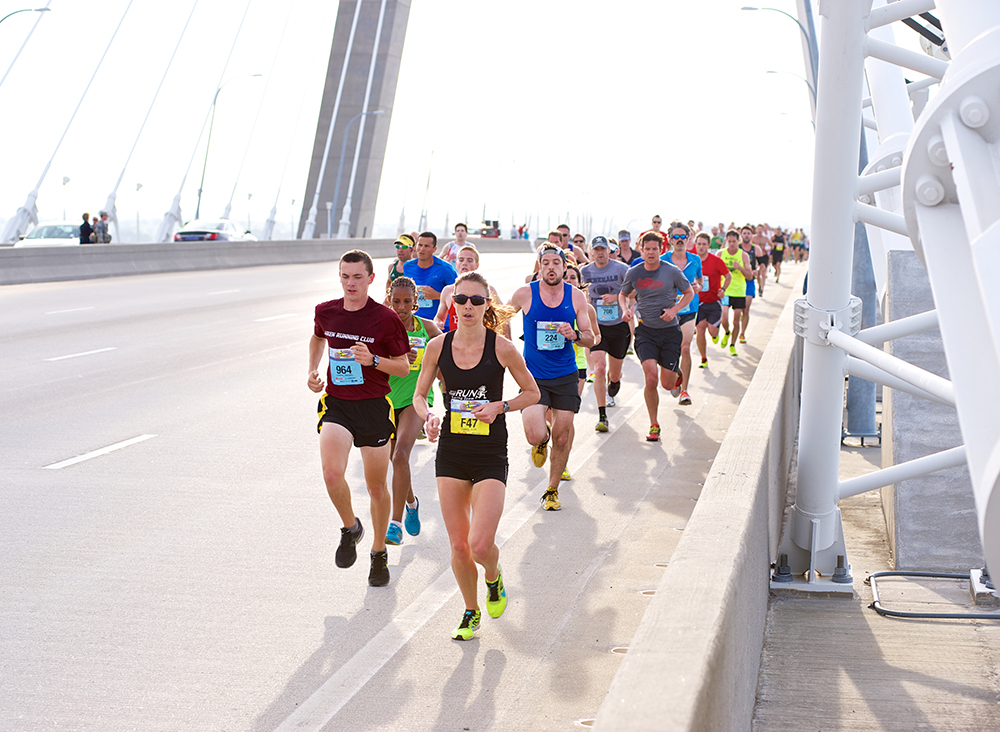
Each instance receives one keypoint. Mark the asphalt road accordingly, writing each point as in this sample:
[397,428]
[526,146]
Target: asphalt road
[166,542]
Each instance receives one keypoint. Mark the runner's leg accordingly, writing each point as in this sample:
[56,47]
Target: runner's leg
[687,331]
[562,443]
[455,497]
[402,487]
[335,444]
[650,371]
[487,508]
[376,464]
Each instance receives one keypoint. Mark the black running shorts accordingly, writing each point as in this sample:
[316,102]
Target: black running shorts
[562,393]
[368,420]
[473,469]
[712,312]
[615,340]
[737,303]
[662,345]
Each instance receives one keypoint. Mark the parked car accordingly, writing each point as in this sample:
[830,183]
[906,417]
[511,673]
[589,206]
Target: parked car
[53,234]
[204,230]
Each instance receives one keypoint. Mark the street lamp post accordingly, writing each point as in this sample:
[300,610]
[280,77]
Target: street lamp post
[804,79]
[805,33]
[25,10]
[208,144]
[344,229]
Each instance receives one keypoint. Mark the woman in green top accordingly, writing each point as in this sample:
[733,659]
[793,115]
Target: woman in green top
[402,297]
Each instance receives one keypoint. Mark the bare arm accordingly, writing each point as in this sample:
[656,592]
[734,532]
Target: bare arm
[428,370]
[317,347]
[511,359]
[443,306]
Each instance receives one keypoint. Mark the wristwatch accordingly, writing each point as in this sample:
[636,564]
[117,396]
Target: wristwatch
[375,361]
[506,407]
[577,333]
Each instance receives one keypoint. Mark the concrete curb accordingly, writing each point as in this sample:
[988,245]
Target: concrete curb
[705,626]
[53,264]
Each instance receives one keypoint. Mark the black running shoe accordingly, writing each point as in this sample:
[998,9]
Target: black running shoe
[614,387]
[347,552]
[379,574]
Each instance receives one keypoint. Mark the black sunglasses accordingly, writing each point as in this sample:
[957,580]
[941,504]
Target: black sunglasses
[462,299]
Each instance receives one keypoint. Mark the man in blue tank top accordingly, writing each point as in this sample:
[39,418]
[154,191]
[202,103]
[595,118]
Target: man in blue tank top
[555,317]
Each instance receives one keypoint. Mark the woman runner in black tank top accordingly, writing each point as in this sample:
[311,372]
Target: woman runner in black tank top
[473,447]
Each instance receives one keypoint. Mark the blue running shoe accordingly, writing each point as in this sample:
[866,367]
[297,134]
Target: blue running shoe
[394,535]
[412,519]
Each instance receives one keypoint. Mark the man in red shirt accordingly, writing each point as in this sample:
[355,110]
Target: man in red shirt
[657,222]
[716,279]
[366,343]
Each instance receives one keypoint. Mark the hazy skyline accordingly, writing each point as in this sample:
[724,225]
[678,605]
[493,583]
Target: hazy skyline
[537,110]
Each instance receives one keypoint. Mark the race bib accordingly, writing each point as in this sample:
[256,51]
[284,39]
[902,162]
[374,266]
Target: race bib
[419,344]
[344,370]
[462,421]
[422,302]
[704,283]
[607,313]
[548,336]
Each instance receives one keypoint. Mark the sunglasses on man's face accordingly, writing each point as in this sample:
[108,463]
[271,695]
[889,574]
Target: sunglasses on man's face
[680,237]
[579,241]
[657,221]
[403,246]
[462,299]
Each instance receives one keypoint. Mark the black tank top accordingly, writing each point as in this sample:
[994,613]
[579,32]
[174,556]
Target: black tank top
[482,383]
[753,256]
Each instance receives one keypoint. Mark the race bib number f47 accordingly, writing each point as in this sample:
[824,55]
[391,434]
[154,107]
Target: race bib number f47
[344,370]
[549,338]
[462,420]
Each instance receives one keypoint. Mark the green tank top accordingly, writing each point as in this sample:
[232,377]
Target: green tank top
[393,273]
[738,284]
[402,387]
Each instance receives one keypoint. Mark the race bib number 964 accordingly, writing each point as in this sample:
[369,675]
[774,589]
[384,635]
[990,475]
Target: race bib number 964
[344,370]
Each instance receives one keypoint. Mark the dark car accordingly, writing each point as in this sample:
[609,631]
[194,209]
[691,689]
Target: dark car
[220,230]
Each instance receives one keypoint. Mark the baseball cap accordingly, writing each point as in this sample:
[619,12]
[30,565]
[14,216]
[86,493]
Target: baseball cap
[623,235]
[599,241]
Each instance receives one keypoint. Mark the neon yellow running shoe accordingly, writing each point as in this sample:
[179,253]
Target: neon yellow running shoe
[496,596]
[540,452]
[566,475]
[725,340]
[732,350]
[465,629]
[550,500]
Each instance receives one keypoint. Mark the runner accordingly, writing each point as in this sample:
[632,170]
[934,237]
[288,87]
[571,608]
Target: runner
[777,254]
[403,300]
[654,285]
[754,252]
[605,278]
[656,223]
[471,462]
[404,250]
[467,261]
[715,280]
[578,247]
[690,265]
[550,305]
[430,273]
[572,276]
[451,249]
[738,264]
[366,343]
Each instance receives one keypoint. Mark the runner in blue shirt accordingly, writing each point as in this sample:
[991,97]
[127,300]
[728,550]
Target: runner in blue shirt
[678,241]
[431,274]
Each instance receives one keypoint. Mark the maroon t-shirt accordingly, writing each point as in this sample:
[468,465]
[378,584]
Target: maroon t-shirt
[375,325]
[715,269]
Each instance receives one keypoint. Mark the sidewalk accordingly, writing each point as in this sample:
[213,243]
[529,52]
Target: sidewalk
[838,665]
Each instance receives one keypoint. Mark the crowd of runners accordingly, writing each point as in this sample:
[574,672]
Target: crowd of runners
[441,329]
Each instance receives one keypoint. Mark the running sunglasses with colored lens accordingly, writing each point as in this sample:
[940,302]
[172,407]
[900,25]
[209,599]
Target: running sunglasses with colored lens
[462,299]
[682,237]
[403,246]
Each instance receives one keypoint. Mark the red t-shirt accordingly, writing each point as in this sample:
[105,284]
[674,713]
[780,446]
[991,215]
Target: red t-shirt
[375,325]
[663,242]
[715,269]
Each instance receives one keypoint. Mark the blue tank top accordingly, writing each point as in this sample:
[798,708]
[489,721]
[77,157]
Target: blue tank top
[546,352]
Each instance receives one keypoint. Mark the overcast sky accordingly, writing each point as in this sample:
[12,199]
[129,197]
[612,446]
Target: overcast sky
[531,108]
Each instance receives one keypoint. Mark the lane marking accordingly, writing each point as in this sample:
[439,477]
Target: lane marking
[274,317]
[222,292]
[323,704]
[71,310]
[85,353]
[97,453]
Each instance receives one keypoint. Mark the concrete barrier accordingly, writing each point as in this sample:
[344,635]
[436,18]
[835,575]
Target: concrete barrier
[21,265]
[694,661]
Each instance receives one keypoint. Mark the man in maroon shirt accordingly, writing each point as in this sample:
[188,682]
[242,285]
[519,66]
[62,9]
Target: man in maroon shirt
[366,342]
[717,278]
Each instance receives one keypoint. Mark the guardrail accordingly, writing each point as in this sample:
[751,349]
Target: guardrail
[694,661]
[22,265]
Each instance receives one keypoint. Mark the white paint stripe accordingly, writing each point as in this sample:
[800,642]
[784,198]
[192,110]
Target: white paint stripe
[85,353]
[222,292]
[274,317]
[324,703]
[98,453]
[71,310]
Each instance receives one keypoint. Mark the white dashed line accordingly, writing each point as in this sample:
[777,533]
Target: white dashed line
[274,317]
[85,353]
[97,453]
[71,310]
